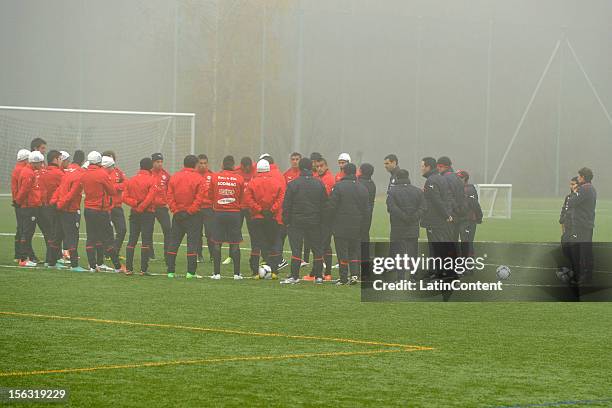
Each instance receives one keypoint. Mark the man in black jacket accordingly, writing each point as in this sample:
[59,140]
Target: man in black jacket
[365,178]
[392,166]
[438,217]
[405,205]
[456,197]
[565,219]
[303,205]
[582,208]
[348,210]
[472,217]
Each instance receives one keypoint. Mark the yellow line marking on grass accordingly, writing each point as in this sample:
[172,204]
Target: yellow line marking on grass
[201,361]
[215,330]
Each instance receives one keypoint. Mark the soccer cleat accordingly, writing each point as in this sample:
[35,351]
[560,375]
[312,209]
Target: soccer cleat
[327,278]
[128,273]
[215,276]
[78,269]
[319,281]
[61,267]
[238,277]
[283,263]
[289,281]
[273,276]
[341,283]
[190,276]
[105,268]
[308,278]
[63,261]
[122,268]
[353,280]
[170,275]
[304,263]
[27,263]
[227,261]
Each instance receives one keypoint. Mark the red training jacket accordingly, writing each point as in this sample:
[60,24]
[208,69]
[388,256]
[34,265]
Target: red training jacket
[328,181]
[185,191]
[206,178]
[72,179]
[97,186]
[140,192]
[15,176]
[162,179]
[226,190]
[291,174]
[118,179]
[50,181]
[29,191]
[265,192]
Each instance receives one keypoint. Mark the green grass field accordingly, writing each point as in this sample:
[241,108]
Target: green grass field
[114,340]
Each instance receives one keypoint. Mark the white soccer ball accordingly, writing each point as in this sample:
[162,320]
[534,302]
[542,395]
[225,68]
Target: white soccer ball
[265,272]
[503,272]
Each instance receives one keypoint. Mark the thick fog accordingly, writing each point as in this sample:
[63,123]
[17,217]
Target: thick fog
[515,92]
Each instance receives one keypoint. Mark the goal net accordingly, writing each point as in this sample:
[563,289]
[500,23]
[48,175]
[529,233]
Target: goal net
[131,135]
[495,200]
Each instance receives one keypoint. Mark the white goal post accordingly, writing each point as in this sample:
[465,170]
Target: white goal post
[495,200]
[132,135]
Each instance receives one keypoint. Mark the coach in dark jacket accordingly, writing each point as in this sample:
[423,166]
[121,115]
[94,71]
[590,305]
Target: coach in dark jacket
[305,199]
[456,196]
[367,170]
[349,211]
[581,207]
[405,205]
[437,218]
[473,216]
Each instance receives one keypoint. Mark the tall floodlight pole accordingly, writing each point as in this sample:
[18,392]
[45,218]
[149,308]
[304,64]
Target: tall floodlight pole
[297,126]
[559,117]
[488,105]
[262,114]
[174,84]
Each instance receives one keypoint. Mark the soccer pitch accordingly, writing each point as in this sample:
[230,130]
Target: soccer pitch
[114,340]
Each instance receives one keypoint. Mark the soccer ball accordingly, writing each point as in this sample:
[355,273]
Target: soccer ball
[503,272]
[564,274]
[265,272]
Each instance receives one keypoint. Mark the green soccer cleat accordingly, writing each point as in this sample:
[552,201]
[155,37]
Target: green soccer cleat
[171,275]
[189,276]
[78,269]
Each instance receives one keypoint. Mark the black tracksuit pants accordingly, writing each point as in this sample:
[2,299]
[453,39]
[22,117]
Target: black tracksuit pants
[348,251]
[28,217]
[70,223]
[467,233]
[404,245]
[184,224]
[141,224]
[205,230]
[163,217]
[305,235]
[54,234]
[581,250]
[118,219]
[100,234]
[441,245]
[265,241]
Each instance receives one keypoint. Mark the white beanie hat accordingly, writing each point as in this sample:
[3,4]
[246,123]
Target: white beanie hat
[345,157]
[64,155]
[85,164]
[107,162]
[23,154]
[36,157]
[263,166]
[264,155]
[94,157]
